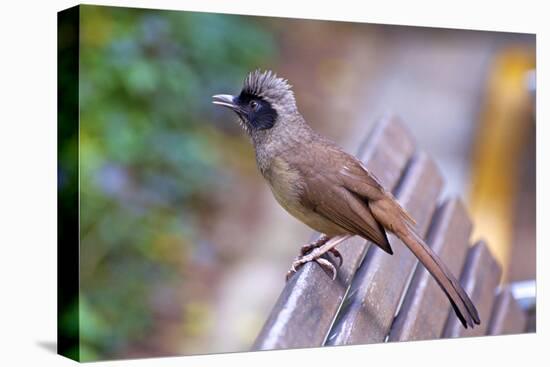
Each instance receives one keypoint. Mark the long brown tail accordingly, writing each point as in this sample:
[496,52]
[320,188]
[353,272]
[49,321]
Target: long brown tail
[461,302]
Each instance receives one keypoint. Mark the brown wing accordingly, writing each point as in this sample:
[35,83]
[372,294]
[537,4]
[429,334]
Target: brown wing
[340,188]
[359,180]
[325,193]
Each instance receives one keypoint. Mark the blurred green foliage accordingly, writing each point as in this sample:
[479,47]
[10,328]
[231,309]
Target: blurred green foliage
[147,160]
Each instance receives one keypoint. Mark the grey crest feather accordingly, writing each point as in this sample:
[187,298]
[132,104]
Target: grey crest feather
[268,86]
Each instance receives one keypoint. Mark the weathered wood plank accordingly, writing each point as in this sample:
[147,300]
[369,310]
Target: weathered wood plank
[425,307]
[507,317]
[480,277]
[376,290]
[531,319]
[306,308]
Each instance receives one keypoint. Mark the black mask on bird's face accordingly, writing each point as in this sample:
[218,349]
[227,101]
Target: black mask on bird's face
[254,112]
[262,100]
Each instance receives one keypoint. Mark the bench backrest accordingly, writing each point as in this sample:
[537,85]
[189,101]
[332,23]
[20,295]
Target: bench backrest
[377,297]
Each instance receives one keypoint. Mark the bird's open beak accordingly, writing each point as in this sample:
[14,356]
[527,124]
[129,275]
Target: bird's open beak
[224,100]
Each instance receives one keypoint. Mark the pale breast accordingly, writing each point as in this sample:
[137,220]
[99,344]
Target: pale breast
[284,182]
[286,185]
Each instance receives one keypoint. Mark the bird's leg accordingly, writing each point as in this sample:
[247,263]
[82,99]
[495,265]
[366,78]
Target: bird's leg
[308,247]
[315,255]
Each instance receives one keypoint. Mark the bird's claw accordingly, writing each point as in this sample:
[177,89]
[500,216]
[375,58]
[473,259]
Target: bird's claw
[313,252]
[308,247]
[325,264]
[290,273]
[337,255]
[294,268]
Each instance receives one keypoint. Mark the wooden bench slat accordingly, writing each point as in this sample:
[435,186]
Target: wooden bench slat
[480,277]
[306,308]
[507,316]
[376,290]
[425,307]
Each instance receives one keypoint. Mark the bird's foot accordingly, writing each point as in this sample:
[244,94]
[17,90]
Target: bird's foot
[308,247]
[300,261]
[313,252]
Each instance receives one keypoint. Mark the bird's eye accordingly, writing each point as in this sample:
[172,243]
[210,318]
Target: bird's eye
[253,104]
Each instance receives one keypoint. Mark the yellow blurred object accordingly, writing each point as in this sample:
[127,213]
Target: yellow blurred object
[503,129]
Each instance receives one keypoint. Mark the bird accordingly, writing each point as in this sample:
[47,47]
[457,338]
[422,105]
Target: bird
[324,187]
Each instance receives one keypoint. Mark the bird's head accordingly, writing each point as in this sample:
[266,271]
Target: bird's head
[264,101]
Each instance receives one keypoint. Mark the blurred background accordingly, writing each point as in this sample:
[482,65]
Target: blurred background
[183,248]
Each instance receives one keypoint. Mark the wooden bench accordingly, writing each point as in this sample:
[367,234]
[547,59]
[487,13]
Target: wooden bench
[377,297]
